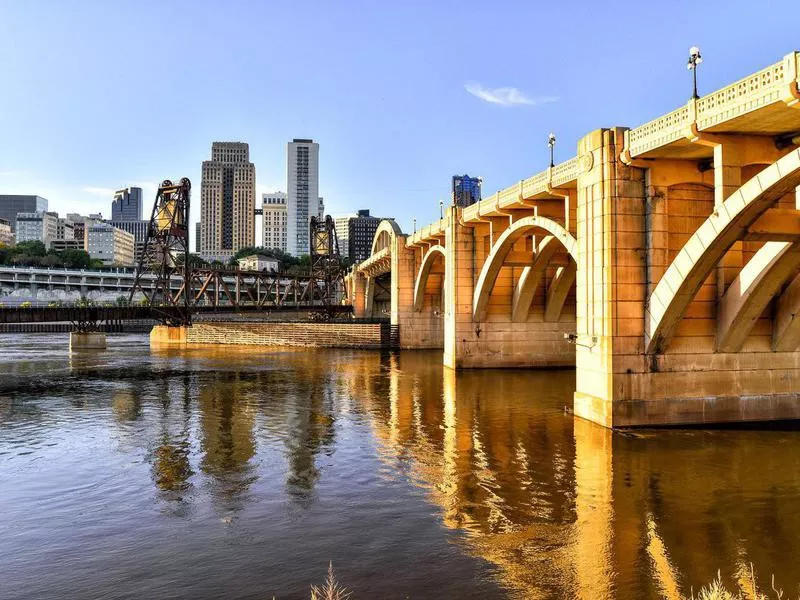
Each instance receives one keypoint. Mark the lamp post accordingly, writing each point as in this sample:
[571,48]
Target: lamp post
[551,142]
[694,60]
[441,209]
[415,226]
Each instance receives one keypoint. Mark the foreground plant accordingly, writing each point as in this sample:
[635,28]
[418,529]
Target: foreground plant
[747,589]
[330,590]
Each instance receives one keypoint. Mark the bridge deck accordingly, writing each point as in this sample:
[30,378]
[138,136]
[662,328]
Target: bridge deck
[89,314]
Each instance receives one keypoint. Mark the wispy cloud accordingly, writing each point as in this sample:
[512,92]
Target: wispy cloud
[506,96]
[99,191]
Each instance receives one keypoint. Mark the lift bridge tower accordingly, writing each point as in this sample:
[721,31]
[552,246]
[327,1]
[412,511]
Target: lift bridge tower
[163,274]
[327,273]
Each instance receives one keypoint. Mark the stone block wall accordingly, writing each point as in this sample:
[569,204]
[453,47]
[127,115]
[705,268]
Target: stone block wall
[321,335]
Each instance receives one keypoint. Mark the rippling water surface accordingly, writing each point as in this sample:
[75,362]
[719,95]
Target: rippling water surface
[239,473]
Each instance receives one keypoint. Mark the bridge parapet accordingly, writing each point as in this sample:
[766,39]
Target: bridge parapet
[430,234]
[538,187]
[725,110]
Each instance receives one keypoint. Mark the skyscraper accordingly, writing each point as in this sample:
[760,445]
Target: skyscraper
[127,204]
[303,194]
[274,214]
[355,234]
[227,201]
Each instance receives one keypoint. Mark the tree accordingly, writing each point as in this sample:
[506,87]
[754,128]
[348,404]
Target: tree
[25,260]
[32,248]
[75,259]
[51,260]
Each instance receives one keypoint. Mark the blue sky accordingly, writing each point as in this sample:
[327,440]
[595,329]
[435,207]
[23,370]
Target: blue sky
[400,95]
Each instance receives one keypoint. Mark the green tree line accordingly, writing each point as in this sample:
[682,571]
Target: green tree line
[34,254]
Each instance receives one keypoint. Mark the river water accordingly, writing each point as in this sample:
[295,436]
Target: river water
[241,472]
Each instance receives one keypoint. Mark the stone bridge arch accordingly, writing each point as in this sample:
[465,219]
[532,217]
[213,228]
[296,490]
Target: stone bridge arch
[558,238]
[385,236]
[731,221]
[434,255]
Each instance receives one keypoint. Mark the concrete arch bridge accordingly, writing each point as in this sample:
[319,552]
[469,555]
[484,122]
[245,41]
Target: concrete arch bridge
[662,262]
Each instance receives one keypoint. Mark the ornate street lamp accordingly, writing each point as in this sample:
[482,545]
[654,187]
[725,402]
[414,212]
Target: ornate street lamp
[694,60]
[441,209]
[551,142]
[415,226]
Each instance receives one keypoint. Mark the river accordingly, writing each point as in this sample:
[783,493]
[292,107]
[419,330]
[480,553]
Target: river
[241,472]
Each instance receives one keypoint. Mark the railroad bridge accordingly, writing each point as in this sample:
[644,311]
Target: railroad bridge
[661,262]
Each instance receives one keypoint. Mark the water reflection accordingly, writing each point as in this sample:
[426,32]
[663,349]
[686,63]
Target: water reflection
[568,509]
[345,456]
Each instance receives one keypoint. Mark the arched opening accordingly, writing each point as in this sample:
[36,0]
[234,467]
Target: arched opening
[429,283]
[707,246]
[559,241]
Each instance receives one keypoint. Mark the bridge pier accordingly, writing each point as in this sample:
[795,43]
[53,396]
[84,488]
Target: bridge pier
[165,335]
[87,340]
[481,327]
[668,333]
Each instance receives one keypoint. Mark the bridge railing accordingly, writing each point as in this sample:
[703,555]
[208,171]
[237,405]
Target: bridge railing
[767,86]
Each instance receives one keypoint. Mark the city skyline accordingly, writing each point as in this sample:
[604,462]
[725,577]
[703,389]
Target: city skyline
[485,108]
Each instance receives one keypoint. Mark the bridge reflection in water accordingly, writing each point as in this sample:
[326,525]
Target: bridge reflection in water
[564,507]
[302,457]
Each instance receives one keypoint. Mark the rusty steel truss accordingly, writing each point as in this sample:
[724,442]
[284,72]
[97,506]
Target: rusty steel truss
[235,288]
[173,289]
[166,252]
[327,272]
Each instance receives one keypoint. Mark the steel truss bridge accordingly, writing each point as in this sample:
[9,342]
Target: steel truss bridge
[211,291]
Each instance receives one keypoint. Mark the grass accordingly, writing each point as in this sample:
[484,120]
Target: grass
[330,590]
[748,590]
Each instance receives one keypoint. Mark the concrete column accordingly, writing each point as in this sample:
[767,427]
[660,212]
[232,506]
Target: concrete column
[459,283]
[727,179]
[359,283]
[612,276]
[369,297]
[163,335]
[93,340]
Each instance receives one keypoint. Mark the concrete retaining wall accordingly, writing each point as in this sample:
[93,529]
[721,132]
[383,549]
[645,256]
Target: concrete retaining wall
[320,335]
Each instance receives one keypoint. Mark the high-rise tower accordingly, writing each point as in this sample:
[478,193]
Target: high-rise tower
[227,201]
[274,215]
[127,204]
[302,178]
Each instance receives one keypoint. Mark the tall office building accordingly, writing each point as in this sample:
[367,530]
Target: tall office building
[321,208]
[197,237]
[37,227]
[466,190]
[342,225]
[65,229]
[355,234]
[110,245]
[127,205]
[227,201]
[79,225]
[274,220]
[302,178]
[138,229]
[10,205]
